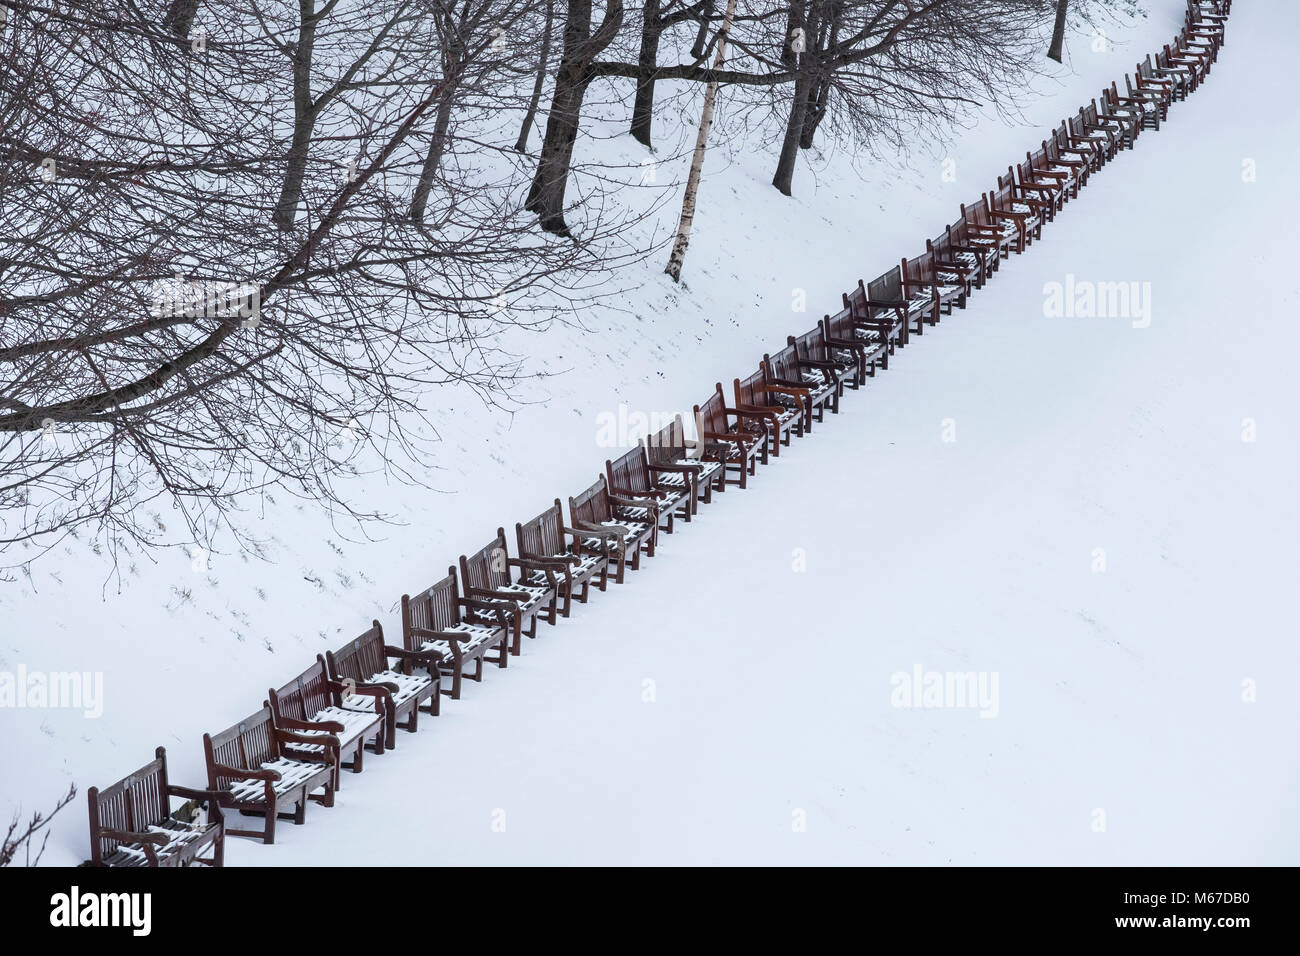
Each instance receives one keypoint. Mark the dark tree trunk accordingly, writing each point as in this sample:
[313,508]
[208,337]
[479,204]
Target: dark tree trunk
[784,177]
[420,201]
[1058,32]
[180,16]
[546,194]
[644,104]
[521,145]
[304,120]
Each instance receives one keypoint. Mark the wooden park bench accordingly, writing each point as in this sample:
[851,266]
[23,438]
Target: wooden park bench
[614,526]
[921,277]
[843,335]
[311,705]
[461,630]
[677,462]
[818,390]
[253,773]
[954,265]
[886,293]
[781,408]
[818,359]
[880,325]
[132,822]
[727,439]
[545,540]
[1019,219]
[1125,123]
[1088,131]
[1060,156]
[632,476]
[1146,109]
[1181,80]
[488,575]
[1157,91]
[995,238]
[1042,192]
[362,666]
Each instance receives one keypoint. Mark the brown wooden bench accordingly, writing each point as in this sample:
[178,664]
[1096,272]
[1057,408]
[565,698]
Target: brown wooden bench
[781,408]
[921,280]
[461,630]
[955,266]
[251,771]
[1123,124]
[995,237]
[819,361]
[632,476]
[885,295]
[546,540]
[488,575]
[311,705]
[1060,156]
[1018,219]
[842,334]
[1044,195]
[132,822]
[726,441]
[362,666]
[875,326]
[1144,110]
[677,462]
[819,391]
[1087,129]
[1156,91]
[615,527]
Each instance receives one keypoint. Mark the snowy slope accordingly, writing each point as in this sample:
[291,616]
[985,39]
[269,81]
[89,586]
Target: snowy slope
[1119,691]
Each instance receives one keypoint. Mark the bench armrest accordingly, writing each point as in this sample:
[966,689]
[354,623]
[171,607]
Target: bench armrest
[221,770]
[127,836]
[415,657]
[328,741]
[292,723]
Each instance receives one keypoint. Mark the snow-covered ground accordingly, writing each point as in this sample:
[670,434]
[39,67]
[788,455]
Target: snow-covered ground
[735,700]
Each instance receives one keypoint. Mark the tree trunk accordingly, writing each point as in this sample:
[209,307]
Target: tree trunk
[683,239]
[1058,32]
[546,194]
[180,16]
[431,162]
[521,145]
[304,112]
[793,132]
[644,104]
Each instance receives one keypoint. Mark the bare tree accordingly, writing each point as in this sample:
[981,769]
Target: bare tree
[193,308]
[21,837]
[1055,51]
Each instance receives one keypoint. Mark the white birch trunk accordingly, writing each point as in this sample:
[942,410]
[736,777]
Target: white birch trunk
[697,161]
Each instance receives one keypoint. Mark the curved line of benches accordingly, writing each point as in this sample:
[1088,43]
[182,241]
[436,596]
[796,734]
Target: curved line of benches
[350,701]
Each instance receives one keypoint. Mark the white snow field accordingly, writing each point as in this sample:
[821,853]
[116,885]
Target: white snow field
[1097,519]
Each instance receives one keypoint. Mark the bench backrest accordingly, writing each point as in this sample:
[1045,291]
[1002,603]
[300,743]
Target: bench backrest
[360,658]
[487,567]
[134,803]
[436,608]
[811,346]
[591,506]
[245,746]
[668,445]
[630,472]
[1002,197]
[752,390]
[886,287]
[712,415]
[541,537]
[918,270]
[304,696]
[976,213]
[839,326]
[782,366]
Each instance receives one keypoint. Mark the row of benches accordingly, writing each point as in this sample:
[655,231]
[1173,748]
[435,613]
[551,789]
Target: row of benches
[352,700]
